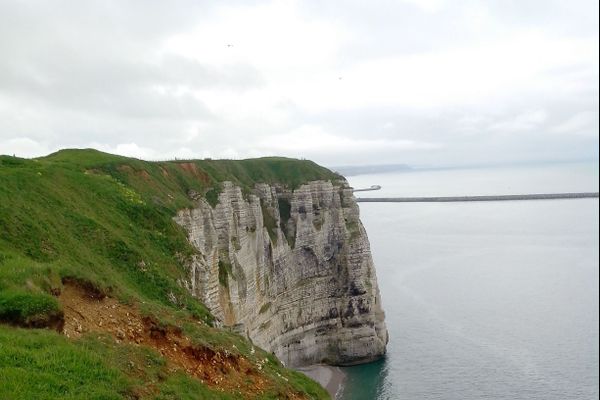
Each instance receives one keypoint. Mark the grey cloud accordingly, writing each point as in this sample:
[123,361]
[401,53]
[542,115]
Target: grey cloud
[390,27]
[101,57]
[185,71]
[76,73]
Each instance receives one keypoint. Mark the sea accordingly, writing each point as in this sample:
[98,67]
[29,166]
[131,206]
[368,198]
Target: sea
[484,300]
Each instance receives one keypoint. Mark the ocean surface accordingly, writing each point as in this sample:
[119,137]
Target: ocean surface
[485,300]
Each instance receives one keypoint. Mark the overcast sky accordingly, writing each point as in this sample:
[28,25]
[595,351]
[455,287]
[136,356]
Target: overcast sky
[340,82]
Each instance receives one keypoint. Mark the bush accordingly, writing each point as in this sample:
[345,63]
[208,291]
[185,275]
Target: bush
[35,310]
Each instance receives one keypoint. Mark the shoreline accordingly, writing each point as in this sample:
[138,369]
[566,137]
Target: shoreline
[330,377]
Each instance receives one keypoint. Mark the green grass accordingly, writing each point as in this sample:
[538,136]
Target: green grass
[269,222]
[168,183]
[106,221]
[225,271]
[353,227]
[41,364]
[180,387]
[264,308]
[285,209]
[45,365]
[58,221]
[28,309]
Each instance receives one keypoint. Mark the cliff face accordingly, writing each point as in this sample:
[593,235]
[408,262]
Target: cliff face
[292,270]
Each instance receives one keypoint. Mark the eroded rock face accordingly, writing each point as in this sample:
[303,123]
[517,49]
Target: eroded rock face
[292,270]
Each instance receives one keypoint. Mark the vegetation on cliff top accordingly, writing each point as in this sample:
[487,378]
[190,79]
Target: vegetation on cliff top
[104,223]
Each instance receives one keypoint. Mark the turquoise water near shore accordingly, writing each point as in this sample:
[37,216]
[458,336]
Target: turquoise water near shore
[489,300]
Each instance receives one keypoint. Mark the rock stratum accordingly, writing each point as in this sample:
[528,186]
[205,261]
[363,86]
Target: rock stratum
[290,269]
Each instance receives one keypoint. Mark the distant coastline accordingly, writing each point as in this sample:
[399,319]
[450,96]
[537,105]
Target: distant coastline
[353,170]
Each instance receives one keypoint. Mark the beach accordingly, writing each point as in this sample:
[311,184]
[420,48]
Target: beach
[331,378]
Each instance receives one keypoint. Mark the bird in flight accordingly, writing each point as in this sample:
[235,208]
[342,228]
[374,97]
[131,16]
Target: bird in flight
[229,45]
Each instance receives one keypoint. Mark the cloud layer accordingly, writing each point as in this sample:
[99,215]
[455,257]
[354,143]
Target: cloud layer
[412,81]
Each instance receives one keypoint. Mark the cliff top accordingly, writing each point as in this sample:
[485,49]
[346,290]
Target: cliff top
[287,171]
[84,232]
[173,180]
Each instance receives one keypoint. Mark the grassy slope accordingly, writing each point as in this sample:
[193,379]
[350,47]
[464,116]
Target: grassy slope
[107,220]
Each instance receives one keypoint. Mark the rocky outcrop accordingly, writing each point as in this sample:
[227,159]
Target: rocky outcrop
[290,269]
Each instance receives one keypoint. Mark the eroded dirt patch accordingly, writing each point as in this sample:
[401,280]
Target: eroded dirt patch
[192,169]
[85,312]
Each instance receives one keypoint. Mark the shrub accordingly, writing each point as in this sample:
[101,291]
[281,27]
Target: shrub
[36,310]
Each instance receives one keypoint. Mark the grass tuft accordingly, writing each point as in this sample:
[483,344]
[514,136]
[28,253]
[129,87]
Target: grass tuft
[35,310]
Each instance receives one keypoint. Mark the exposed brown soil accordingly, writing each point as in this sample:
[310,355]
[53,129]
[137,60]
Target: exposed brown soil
[192,169]
[125,168]
[85,312]
[142,173]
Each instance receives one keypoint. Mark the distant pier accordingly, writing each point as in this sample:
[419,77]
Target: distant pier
[374,187]
[502,197]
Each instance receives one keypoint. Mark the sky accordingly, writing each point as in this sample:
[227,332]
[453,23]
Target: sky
[419,82]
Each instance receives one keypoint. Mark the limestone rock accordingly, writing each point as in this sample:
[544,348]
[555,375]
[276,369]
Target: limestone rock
[290,269]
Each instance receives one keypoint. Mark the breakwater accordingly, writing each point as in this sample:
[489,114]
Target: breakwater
[503,197]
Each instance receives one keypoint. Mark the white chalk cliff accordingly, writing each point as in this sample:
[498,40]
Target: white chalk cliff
[290,269]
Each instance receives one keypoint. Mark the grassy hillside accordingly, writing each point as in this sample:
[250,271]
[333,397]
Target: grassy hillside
[104,223]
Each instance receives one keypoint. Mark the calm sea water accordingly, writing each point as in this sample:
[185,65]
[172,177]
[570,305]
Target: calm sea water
[493,300]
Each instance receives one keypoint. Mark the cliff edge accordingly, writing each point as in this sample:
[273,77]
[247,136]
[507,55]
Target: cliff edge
[290,269]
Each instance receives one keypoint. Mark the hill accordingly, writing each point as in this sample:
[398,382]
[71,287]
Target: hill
[89,251]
